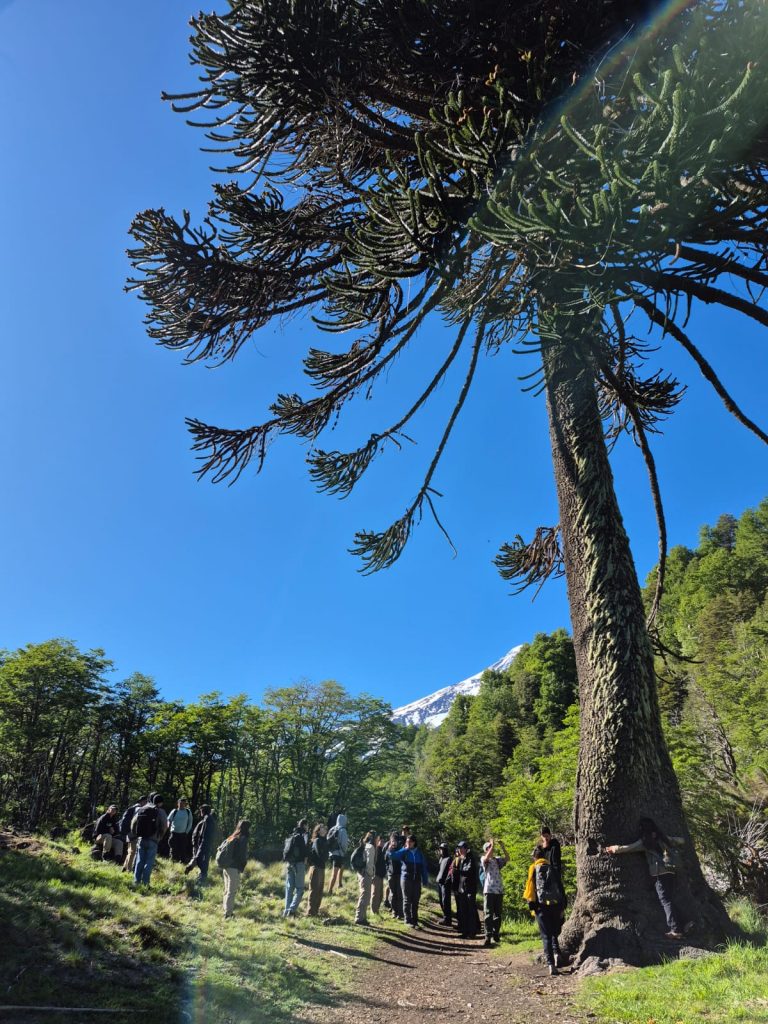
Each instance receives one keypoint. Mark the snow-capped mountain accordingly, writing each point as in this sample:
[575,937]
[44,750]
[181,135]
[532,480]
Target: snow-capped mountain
[432,710]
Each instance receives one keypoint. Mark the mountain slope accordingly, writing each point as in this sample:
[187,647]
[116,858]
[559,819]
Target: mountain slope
[431,710]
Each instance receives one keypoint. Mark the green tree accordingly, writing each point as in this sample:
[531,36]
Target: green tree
[421,158]
[50,712]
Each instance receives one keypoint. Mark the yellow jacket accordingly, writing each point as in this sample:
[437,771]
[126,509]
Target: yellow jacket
[529,893]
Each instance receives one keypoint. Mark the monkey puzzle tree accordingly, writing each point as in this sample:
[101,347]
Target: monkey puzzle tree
[542,172]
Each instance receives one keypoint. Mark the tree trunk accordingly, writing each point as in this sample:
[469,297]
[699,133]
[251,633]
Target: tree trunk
[624,770]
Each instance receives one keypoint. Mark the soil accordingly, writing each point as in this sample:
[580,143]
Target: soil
[432,975]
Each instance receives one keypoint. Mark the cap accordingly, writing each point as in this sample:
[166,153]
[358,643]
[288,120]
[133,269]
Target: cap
[444,846]
[463,843]
[487,846]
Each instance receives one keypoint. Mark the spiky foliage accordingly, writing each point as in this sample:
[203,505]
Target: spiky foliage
[505,166]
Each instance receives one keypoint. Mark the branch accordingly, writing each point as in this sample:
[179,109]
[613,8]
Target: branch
[670,327]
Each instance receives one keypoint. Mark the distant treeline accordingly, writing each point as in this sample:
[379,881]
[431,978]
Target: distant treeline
[70,743]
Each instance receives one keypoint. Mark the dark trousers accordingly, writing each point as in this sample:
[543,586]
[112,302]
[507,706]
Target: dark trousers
[411,897]
[445,891]
[492,914]
[665,890]
[181,847]
[467,915]
[549,921]
[396,895]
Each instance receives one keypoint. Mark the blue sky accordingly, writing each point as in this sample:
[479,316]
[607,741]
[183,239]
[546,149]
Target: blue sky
[109,540]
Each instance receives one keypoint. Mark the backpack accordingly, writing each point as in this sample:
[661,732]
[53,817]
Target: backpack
[358,860]
[146,822]
[224,855]
[295,848]
[549,888]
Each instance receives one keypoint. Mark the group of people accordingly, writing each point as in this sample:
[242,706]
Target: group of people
[391,870]
[135,837]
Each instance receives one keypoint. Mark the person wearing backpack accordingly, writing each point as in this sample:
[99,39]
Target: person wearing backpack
[363,862]
[662,860]
[394,880]
[465,886]
[545,897]
[203,837]
[294,856]
[380,874]
[130,839]
[444,883]
[231,857]
[316,858]
[493,890]
[150,825]
[180,823]
[338,844]
[413,873]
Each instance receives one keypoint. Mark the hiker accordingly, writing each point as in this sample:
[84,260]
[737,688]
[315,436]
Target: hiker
[231,857]
[662,863]
[546,901]
[380,874]
[413,872]
[363,862]
[294,856]
[445,883]
[180,823]
[106,834]
[150,825]
[493,889]
[338,844]
[316,858]
[130,838]
[394,869]
[333,817]
[549,846]
[203,836]
[465,887]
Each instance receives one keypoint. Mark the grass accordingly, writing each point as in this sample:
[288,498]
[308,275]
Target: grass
[730,987]
[75,934]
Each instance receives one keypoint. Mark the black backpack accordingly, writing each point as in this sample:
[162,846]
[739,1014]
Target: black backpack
[295,848]
[146,822]
[125,822]
[358,860]
[549,888]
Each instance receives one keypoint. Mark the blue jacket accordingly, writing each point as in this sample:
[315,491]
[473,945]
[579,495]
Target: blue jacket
[412,862]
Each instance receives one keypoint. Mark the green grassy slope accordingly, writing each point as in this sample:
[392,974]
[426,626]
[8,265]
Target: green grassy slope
[75,934]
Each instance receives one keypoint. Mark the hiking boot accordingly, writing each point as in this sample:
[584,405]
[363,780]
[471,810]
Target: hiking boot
[488,942]
[553,971]
[673,935]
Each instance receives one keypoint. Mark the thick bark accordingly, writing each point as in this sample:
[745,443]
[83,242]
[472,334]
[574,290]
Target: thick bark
[624,768]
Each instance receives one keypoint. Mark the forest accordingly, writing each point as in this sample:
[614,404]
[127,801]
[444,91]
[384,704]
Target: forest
[502,763]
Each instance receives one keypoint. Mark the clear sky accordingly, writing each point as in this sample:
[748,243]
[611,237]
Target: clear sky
[107,537]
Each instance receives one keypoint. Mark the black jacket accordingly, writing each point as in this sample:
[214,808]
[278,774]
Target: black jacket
[466,870]
[444,870]
[318,852]
[107,824]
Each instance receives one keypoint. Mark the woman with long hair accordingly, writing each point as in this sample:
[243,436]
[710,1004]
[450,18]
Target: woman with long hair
[661,858]
[232,857]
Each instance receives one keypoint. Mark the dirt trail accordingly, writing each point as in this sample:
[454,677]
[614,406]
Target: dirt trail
[430,975]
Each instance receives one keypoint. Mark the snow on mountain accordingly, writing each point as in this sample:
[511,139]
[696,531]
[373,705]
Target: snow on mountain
[432,710]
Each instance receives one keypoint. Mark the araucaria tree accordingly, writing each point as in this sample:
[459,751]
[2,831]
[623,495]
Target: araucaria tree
[545,172]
